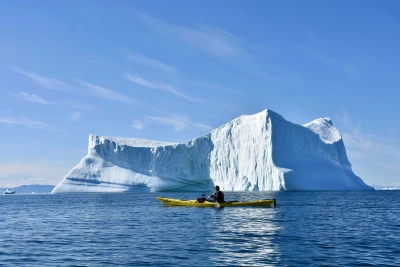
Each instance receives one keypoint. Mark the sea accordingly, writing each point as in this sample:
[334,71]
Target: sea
[307,228]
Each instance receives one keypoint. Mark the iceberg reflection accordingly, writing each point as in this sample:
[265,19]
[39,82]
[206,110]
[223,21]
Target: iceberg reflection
[244,237]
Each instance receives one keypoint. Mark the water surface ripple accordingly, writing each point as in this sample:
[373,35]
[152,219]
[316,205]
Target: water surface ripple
[306,229]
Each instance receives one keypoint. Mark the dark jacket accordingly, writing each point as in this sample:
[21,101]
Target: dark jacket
[219,196]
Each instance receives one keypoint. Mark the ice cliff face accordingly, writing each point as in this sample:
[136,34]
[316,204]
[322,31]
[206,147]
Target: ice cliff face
[251,153]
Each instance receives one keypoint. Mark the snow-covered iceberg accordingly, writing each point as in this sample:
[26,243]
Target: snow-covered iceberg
[250,153]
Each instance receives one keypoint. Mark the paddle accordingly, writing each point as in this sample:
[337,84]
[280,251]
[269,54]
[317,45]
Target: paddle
[217,205]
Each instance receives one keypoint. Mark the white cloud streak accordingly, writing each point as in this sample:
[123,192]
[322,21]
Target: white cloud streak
[75,116]
[46,82]
[27,123]
[376,157]
[213,40]
[147,61]
[177,122]
[202,126]
[341,64]
[76,105]
[137,125]
[105,93]
[34,98]
[217,87]
[157,85]
[39,100]
[54,84]
[222,44]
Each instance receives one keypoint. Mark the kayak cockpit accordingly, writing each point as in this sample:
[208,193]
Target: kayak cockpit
[206,203]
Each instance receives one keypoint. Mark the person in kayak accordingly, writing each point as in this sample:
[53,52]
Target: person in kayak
[218,196]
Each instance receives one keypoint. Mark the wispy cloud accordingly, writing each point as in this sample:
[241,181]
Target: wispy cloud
[91,89]
[99,63]
[40,100]
[262,74]
[33,98]
[213,40]
[139,80]
[177,122]
[202,126]
[221,44]
[46,82]
[28,123]
[236,109]
[105,93]
[376,150]
[372,154]
[344,118]
[147,61]
[77,105]
[356,140]
[338,63]
[216,86]
[137,125]
[157,85]
[75,116]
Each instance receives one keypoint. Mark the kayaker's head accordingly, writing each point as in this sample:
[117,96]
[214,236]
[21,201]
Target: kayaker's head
[216,188]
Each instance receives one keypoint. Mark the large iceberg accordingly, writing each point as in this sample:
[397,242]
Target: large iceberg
[250,153]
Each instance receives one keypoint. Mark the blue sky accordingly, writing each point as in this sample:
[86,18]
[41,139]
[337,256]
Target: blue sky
[174,70]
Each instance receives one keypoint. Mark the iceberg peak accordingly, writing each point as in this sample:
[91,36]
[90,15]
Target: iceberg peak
[328,120]
[325,129]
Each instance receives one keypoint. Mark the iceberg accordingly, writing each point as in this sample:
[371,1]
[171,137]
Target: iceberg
[259,152]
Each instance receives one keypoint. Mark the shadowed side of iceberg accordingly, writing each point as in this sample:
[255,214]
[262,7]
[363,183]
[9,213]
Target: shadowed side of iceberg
[118,167]
[315,155]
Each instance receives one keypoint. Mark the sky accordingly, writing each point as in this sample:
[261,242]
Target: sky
[175,70]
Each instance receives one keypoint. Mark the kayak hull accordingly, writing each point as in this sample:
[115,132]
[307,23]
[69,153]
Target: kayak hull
[194,203]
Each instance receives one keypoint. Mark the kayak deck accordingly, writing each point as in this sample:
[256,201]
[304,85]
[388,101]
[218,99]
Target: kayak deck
[194,203]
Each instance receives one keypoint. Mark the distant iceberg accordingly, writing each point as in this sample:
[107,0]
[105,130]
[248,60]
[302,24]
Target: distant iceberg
[259,152]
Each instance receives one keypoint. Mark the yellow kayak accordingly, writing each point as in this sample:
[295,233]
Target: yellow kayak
[205,203]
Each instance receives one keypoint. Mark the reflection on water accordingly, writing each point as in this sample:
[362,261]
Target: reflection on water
[306,229]
[243,237]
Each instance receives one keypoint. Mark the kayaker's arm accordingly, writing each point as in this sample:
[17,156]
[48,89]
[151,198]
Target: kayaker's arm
[207,196]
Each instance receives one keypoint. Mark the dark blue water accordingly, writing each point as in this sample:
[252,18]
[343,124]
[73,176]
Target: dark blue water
[306,229]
